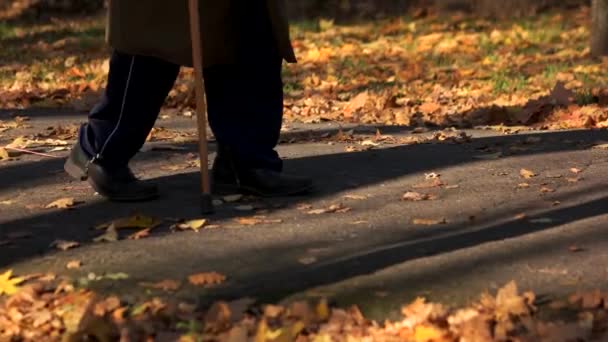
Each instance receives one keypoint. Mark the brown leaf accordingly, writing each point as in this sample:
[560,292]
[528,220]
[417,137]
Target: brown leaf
[64,245]
[525,173]
[429,222]
[415,196]
[110,235]
[63,203]
[73,264]
[429,107]
[546,190]
[523,185]
[355,197]
[355,104]
[4,155]
[140,234]
[576,249]
[195,225]
[334,208]
[204,279]
[575,170]
[165,285]
[255,220]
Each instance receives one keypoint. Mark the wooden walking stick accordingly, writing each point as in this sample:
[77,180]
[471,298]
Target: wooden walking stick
[201,105]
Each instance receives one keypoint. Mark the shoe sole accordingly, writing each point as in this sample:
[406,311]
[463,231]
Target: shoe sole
[78,174]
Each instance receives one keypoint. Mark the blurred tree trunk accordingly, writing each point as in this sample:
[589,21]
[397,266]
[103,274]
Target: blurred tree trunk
[599,28]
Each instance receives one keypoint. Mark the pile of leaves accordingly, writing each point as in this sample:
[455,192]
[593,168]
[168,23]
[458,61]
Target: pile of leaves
[421,70]
[45,308]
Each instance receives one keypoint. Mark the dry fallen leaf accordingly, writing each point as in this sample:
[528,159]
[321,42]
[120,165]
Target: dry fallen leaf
[134,221]
[8,283]
[576,249]
[195,225]
[255,220]
[73,264]
[429,222]
[431,175]
[63,203]
[523,185]
[546,190]
[355,197]
[64,245]
[165,285]
[4,155]
[140,234]
[575,170]
[601,147]
[525,173]
[110,235]
[334,208]
[416,196]
[204,279]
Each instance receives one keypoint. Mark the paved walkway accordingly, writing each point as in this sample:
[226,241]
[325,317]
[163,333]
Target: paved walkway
[374,254]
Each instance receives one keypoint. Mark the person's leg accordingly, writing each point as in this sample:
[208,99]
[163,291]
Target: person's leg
[118,126]
[245,106]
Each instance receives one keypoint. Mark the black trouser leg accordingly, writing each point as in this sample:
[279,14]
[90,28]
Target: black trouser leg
[246,99]
[119,125]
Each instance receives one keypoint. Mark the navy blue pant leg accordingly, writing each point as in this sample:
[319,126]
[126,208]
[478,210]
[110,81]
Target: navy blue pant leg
[135,92]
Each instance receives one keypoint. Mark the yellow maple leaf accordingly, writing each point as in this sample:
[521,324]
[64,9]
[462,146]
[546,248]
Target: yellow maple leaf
[8,283]
[426,333]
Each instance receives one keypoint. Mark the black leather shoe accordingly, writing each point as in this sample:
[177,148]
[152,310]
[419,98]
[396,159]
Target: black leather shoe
[260,182]
[115,184]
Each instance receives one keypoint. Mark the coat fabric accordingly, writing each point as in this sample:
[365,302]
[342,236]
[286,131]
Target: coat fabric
[161,28]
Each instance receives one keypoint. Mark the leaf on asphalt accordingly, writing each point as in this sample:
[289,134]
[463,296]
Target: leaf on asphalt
[110,235]
[144,233]
[432,183]
[304,206]
[573,179]
[601,147]
[527,174]
[523,185]
[307,260]
[64,245]
[7,202]
[416,196]
[195,225]
[73,264]
[334,208]
[205,279]
[575,170]
[431,175]
[576,249]
[165,285]
[232,198]
[546,190]
[520,216]
[4,155]
[63,203]
[134,221]
[355,197]
[429,222]
[255,220]
[9,285]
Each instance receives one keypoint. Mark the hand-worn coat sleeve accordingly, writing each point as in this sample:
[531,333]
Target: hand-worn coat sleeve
[161,29]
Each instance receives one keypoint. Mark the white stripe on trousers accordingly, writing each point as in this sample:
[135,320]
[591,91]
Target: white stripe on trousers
[122,109]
